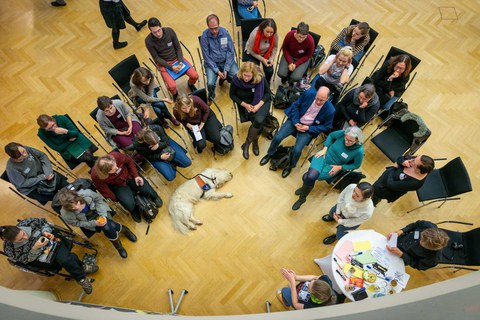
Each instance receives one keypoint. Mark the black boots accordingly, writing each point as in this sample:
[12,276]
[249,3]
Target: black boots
[252,138]
[303,192]
[118,244]
[140,25]
[121,250]
[119,45]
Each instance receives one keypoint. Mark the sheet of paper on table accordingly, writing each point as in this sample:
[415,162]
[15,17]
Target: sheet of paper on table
[362,246]
[358,272]
[343,253]
[402,278]
[365,258]
[381,255]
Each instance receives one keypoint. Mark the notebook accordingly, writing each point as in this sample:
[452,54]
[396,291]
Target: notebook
[184,69]
[343,253]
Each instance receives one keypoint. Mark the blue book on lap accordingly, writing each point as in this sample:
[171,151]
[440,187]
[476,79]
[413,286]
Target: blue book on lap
[184,69]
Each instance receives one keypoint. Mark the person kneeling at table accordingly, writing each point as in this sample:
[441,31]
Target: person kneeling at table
[310,292]
[419,244]
[354,206]
[87,209]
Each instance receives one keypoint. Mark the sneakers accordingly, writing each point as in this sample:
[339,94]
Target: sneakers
[86,285]
[279,297]
[142,24]
[90,268]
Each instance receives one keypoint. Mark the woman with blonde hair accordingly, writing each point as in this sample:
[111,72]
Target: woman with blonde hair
[335,72]
[251,94]
[163,153]
[196,115]
[311,291]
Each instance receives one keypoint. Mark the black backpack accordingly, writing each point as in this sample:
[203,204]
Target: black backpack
[280,100]
[270,127]
[284,97]
[226,140]
[317,57]
[146,207]
[281,158]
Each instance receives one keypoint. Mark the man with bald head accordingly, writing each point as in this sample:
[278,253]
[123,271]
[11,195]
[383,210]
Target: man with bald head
[311,114]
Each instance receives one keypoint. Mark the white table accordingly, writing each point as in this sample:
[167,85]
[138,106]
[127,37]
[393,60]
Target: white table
[377,240]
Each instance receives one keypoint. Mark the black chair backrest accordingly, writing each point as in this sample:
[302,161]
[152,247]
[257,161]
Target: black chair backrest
[234,4]
[372,33]
[471,241]
[122,72]
[4,176]
[93,113]
[316,37]
[450,255]
[247,26]
[201,93]
[74,124]
[405,129]
[455,177]
[396,51]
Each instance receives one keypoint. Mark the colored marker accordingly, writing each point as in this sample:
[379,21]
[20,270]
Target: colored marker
[341,275]
[338,263]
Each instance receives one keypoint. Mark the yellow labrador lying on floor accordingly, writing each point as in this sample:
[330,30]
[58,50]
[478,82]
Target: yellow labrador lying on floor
[190,192]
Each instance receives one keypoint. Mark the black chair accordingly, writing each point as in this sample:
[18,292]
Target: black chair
[444,183]
[462,249]
[246,27]
[122,72]
[366,50]
[398,138]
[235,16]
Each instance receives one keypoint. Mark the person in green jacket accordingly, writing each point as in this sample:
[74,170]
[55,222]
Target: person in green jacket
[343,150]
[60,134]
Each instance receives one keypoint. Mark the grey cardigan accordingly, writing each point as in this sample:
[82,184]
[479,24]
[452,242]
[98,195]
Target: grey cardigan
[95,202]
[107,126]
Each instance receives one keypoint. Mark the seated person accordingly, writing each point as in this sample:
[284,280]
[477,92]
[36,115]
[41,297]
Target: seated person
[355,36]
[248,9]
[343,150]
[419,244]
[116,178]
[262,45]
[218,54]
[193,111]
[357,107]
[164,154]
[87,210]
[297,49]
[335,72]
[165,49]
[118,123]
[30,171]
[390,80]
[60,134]
[310,292]
[308,116]
[407,174]
[251,92]
[142,90]
[26,242]
[354,207]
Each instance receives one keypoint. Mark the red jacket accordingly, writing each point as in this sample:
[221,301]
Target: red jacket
[128,171]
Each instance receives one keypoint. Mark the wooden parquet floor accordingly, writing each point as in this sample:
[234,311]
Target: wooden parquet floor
[55,60]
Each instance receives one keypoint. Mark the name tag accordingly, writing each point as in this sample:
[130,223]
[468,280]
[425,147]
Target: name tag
[224,41]
[344,155]
[416,235]
[253,90]
[119,116]
[26,171]
[267,44]
[402,176]
[301,51]
[169,44]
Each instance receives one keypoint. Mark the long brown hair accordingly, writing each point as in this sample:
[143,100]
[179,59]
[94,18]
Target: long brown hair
[405,58]
[147,136]
[140,73]
[364,28]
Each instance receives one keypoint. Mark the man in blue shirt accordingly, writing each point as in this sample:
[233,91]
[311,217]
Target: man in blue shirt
[311,114]
[218,53]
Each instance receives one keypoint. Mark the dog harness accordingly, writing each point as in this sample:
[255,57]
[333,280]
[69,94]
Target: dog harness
[202,184]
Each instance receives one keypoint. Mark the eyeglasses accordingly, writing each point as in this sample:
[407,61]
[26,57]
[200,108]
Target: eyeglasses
[350,140]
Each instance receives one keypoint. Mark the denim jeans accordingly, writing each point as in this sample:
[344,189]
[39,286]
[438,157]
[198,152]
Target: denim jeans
[166,168]
[341,230]
[302,139]
[212,77]
[287,293]
[159,107]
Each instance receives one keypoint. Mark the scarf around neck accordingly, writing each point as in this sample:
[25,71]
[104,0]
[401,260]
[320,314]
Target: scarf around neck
[259,88]
[258,40]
